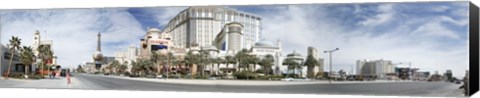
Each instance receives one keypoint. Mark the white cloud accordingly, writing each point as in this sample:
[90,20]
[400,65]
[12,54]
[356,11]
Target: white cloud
[73,31]
[303,26]
[386,14]
[162,15]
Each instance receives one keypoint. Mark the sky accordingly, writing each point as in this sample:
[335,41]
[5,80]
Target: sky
[432,36]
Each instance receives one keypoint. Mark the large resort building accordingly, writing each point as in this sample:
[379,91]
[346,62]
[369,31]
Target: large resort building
[220,31]
[202,24]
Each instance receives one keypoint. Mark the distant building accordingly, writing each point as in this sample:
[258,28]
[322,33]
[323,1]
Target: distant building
[378,68]
[403,73]
[421,75]
[37,42]
[448,75]
[106,60]
[201,24]
[263,48]
[127,56]
[316,55]
[155,41]
[88,67]
[5,59]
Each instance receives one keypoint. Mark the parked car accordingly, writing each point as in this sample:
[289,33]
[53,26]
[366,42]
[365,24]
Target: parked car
[458,82]
[159,76]
[351,79]
[287,79]
[64,72]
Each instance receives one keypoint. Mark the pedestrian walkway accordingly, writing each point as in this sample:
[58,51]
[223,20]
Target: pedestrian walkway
[247,82]
[57,83]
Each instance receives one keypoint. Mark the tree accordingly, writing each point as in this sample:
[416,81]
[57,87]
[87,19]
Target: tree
[267,63]
[205,60]
[123,67]
[169,59]
[242,58]
[291,63]
[229,60]
[14,45]
[113,66]
[157,59]
[145,66]
[192,60]
[135,67]
[311,62]
[342,73]
[80,69]
[220,61]
[27,57]
[45,54]
[253,60]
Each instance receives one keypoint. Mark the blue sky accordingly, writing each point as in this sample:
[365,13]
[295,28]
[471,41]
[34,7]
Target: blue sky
[433,36]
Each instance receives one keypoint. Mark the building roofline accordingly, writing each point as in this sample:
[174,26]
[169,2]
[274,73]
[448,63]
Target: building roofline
[214,6]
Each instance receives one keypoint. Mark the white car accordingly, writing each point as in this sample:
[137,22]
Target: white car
[287,79]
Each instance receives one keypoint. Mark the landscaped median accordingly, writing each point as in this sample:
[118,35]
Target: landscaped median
[245,82]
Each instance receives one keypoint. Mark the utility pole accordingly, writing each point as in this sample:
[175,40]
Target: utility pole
[351,70]
[330,60]
[410,71]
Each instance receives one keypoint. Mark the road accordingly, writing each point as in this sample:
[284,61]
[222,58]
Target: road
[426,89]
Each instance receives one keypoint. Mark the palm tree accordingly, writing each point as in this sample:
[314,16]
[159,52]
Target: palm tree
[27,57]
[156,58]
[253,60]
[135,67]
[267,63]
[14,45]
[242,58]
[113,66]
[219,61]
[229,60]
[41,54]
[311,62]
[193,60]
[291,63]
[123,67]
[45,54]
[205,60]
[145,66]
[169,58]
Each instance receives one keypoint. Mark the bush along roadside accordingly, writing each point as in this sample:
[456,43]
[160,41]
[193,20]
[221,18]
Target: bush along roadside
[22,76]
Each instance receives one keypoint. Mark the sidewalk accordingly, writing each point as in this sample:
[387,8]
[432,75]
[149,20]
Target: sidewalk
[247,82]
[57,83]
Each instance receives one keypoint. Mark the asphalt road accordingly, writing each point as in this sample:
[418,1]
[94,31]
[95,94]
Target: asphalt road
[427,89]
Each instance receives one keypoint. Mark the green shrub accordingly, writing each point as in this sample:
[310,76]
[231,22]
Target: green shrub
[198,76]
[16,75]
[244,75]
[35,76]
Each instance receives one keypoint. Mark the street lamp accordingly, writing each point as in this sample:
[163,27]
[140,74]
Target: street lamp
[330,60]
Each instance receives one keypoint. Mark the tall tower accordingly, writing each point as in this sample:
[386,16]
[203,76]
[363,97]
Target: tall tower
[36,42]
[235,34]
[97,55]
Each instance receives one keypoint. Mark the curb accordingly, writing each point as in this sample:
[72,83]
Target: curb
[219,82]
